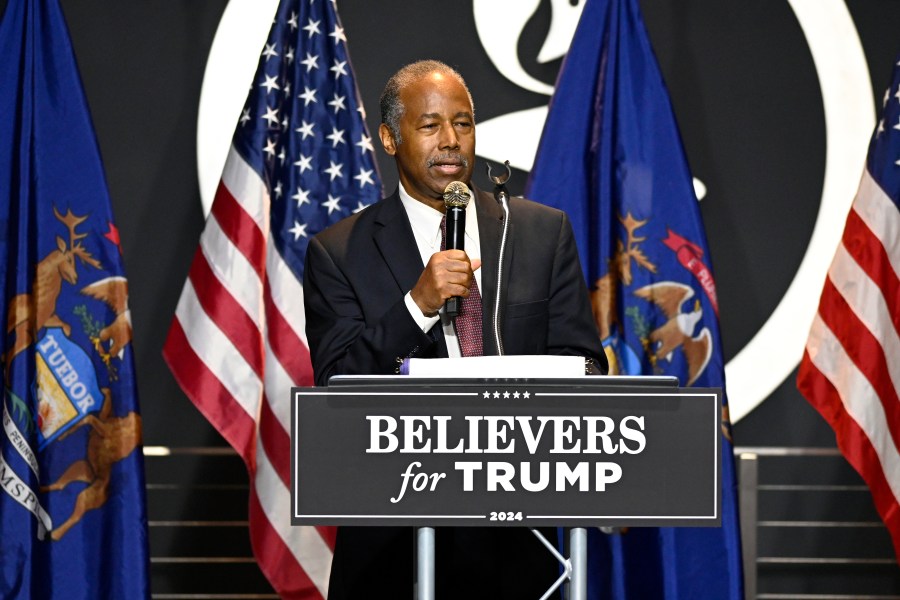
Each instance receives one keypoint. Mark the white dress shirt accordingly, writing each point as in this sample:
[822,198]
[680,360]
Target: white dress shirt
[426,226]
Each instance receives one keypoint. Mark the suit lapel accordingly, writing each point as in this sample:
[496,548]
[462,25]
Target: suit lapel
[395,241]
[394,238]
[490,230]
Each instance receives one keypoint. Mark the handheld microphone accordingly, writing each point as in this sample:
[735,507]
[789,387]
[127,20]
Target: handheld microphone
[456,198]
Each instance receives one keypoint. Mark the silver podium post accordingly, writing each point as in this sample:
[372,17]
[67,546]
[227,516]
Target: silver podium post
[578,556]
[425,563]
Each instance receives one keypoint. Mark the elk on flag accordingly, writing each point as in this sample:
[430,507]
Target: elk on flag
[300,159]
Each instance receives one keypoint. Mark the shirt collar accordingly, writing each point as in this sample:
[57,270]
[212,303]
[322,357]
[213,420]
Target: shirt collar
[426,221]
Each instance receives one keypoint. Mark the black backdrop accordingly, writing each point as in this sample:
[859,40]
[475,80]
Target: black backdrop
[742,81]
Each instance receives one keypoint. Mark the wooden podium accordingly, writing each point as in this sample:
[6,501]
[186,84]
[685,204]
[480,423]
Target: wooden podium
[583,452]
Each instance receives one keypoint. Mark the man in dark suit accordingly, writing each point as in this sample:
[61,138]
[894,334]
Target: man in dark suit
[375,286]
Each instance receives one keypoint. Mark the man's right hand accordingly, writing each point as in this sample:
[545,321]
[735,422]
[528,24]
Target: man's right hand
[448,273]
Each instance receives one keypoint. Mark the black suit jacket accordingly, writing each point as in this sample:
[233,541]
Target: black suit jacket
[358,271]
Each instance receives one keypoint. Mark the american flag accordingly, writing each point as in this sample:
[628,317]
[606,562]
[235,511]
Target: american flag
[301,159]
[851,367]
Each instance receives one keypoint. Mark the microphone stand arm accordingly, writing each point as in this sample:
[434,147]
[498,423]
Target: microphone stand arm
[501,194]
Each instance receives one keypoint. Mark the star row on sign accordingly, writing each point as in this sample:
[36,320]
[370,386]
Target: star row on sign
[506,394]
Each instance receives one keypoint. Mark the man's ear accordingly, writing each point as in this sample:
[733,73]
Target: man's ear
[387,139]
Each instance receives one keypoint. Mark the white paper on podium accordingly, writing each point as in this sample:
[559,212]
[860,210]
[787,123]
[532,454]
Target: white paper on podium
[516,366]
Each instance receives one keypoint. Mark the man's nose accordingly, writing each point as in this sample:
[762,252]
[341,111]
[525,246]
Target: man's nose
[449,138]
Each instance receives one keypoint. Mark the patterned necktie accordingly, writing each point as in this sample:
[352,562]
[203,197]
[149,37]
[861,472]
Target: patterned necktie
[468,321]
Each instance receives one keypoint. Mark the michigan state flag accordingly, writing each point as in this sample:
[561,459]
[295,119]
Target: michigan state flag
[72,507]
[611,157]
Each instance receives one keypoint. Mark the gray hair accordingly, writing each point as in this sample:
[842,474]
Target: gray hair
[392,107]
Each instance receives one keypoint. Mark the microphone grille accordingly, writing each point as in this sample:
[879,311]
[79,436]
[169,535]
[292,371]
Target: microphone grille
[456,194]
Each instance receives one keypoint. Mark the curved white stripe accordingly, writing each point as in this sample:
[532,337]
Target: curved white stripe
[880,215]
[217,352]
[230,69]
[846,90]
[247,188]
[233,269]
[858,397]
[868,303]
[501,42]
[287,293]
[773,353]
[304,542]
[278,389]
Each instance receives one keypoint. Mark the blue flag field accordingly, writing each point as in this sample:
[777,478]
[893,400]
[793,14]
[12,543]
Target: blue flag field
[72,505]
[611,157]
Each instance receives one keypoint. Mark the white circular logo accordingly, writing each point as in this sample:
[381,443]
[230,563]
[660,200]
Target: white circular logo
[773,353]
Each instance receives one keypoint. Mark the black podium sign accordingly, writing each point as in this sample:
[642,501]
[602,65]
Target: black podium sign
[505,453]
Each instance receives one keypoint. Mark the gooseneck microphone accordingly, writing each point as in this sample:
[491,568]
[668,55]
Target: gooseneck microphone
[456,198]
[502,196]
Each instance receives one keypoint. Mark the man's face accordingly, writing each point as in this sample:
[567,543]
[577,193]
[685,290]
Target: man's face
[438,133]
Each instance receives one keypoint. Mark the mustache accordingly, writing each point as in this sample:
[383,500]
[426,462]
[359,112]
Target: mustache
[448,157]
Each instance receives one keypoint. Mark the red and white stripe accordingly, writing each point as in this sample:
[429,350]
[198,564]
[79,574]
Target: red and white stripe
[237,345]
[851,368]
